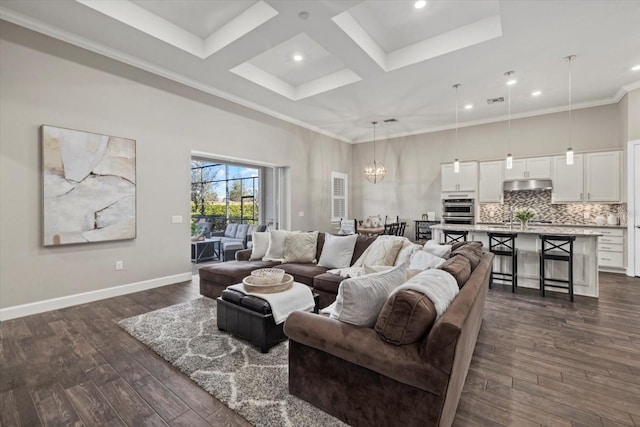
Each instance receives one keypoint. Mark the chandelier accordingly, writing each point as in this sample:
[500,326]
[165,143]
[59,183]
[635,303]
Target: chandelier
[375,170]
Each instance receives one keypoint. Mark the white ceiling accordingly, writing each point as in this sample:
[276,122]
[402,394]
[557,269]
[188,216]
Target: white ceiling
[364,61]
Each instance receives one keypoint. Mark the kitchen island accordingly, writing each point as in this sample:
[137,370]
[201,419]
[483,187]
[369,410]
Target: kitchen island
[585,253]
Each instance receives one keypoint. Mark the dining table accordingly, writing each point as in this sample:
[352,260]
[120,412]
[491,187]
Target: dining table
[370,231]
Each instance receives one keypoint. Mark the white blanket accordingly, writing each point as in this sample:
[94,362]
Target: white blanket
[298,298]
[438,285]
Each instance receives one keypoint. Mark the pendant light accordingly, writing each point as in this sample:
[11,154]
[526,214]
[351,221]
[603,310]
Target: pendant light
[456,162]
[570,59]
[374,171]
[510,82]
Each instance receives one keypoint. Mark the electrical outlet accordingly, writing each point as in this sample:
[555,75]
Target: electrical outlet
[176,219]
[301,213]
[119,265]
[491,214]
[586,215]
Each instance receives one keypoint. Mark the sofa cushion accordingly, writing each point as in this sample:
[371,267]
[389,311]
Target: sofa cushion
[301,247]
[327,282]
[360,299]
[459,267]
[337,251]
[406,317]
[259,245]
[231,272]
[241,231]
[472,251]
[275,251]
[303,273]
[230,231]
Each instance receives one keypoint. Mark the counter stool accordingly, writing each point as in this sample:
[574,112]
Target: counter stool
[504,244]
[557,248]
[453,236]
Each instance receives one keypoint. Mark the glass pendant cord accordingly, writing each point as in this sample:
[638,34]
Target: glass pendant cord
[509,161]
[456,162]
[570,59]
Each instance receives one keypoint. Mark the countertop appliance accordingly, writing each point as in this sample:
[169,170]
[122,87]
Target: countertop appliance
[458,211]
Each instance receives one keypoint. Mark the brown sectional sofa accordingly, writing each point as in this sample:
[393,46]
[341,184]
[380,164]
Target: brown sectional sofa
[352,373]
[217,277]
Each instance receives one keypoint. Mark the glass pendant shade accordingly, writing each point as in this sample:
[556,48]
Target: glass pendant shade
[456,166]
[509,161]
[569,156]
[375,172]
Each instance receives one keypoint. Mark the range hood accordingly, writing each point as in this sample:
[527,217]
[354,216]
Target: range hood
[527,185]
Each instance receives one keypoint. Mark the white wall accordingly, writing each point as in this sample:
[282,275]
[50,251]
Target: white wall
[45,81]
[412,185]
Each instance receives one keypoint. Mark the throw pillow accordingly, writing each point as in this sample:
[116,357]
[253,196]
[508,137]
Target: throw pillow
[300,247]
[422,260]
[275,251]
[472,251]
[337,251]
[383,251]
[405,318]
[360,299]
[435,248]
[406,251]
[459,267]
[260,244]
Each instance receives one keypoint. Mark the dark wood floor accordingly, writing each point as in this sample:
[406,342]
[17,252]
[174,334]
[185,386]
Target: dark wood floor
[538,362]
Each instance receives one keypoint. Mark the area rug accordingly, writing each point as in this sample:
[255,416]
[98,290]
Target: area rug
[253,384]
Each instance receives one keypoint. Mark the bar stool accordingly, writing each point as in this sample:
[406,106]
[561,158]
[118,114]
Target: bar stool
[557,248]
[453,236]
[504,244]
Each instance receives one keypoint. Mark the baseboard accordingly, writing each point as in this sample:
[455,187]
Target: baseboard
[85,297]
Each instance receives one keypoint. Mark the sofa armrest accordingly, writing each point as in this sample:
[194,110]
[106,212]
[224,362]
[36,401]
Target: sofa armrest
[361,346]
[243,255]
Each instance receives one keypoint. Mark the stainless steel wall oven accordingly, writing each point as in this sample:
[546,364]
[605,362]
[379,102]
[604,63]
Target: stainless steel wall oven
[458,211]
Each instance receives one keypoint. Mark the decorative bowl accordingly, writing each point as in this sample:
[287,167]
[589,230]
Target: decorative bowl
[251,285]
[267,276]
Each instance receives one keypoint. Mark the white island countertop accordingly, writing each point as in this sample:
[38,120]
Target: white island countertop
[535,229]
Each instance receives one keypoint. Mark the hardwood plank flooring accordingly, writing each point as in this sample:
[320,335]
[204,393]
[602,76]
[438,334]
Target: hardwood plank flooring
[538,362]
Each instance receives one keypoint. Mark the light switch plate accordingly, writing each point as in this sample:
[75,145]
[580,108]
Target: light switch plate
[176,219]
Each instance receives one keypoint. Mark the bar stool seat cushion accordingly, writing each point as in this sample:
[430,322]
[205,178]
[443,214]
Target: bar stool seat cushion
[406,317]
[459,267]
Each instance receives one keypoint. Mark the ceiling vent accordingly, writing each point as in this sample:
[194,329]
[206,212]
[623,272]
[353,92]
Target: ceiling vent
[390,120]
[495,100]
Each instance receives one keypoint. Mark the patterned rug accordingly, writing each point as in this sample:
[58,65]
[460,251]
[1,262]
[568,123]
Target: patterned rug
[253,384]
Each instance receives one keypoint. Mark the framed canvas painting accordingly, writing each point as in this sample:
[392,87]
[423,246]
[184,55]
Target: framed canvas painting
[89,187]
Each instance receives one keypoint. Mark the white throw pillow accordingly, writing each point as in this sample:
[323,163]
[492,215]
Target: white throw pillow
[422,260]
[337,251]
[275,251]
[383,250]
[360,299]
[259,245]
[301,247]
[435,248]
[406,251]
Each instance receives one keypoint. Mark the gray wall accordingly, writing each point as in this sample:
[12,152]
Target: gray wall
[412,185]
[45,81]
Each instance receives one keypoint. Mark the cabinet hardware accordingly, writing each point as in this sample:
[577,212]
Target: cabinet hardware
[580,196]
[606,259]
[589,196]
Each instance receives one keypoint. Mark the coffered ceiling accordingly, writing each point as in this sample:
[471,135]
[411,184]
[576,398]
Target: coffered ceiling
[364,60]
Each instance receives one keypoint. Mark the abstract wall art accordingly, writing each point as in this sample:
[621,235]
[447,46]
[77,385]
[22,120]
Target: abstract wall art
[89,187]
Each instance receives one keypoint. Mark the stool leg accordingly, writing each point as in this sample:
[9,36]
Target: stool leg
[514,272]
[571,279]
[542,274]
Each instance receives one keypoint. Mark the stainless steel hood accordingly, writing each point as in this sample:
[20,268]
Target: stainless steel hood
[527,185]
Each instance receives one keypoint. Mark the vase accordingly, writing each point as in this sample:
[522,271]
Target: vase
[524,225]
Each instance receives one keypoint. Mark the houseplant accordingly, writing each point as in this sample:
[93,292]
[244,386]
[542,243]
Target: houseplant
[524,215]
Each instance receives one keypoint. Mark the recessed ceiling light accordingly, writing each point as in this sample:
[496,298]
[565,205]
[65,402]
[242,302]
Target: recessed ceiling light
[468,106]
[635,68]
[511,82]
[420,4]
[536,93]
[297,57]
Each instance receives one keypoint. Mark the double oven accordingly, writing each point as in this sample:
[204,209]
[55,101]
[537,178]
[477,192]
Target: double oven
[458,211]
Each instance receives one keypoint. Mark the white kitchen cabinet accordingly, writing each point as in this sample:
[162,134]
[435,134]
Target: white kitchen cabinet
[568,180]
[533,168]
[602,178]
[465,180]
[611,248]
[491,177]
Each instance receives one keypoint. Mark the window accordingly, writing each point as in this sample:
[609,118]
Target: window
[225,193]
[339,196]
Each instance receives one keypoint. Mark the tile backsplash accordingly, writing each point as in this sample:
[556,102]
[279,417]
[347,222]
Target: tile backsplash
[540,201]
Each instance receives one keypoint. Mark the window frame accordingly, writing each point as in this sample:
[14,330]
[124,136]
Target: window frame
[334,197]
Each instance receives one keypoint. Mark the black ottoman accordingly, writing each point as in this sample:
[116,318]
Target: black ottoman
[249,318]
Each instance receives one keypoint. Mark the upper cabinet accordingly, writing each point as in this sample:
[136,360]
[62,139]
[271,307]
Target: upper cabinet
[490,182]
[568,181]
[533,168]
[465,180]
[602,177]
